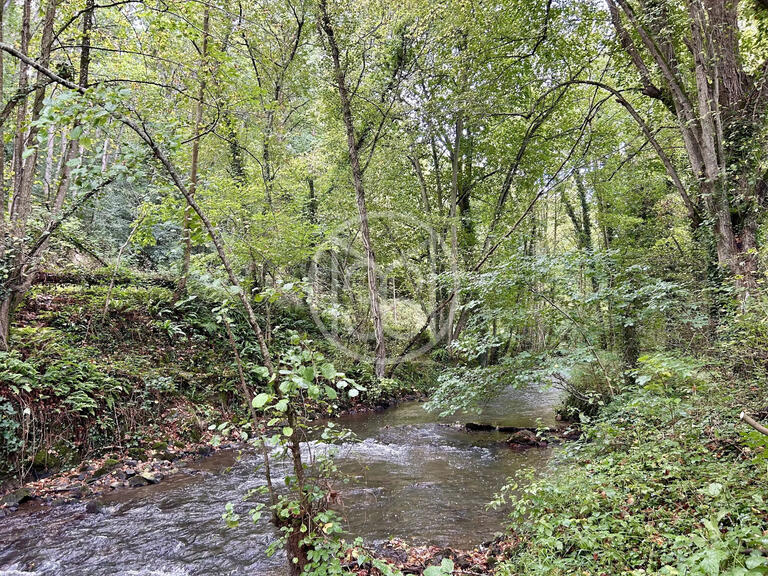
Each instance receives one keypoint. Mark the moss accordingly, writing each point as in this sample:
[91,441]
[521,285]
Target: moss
[160,446]
[109,465]
[55,457]
[138,454]
[45,460]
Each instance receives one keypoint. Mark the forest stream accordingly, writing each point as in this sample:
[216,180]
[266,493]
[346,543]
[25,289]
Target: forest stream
[412,475]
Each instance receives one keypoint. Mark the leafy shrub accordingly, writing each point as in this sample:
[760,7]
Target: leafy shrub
[589,387]
[10,438]
[655,491]
[665,372]
[743,336]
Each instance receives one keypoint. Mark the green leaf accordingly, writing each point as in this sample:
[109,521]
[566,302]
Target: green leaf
[710,561]
[713,489]
[282,405]
[331,393]
[308,373]
[353,393]
[260,400]
[328,371]
[445,568]
[287,431]
[755,560]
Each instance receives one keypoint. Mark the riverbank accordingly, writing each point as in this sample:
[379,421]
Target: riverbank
[94,477]
[91,388]
[97,476]
[668,480]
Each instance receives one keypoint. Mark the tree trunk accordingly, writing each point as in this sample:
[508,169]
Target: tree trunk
[182,285]
[452,213]
[431,243]
[3,193]
[719,109]
[357,180]
[22,198]
[19,209]
[21,113]
[5,323]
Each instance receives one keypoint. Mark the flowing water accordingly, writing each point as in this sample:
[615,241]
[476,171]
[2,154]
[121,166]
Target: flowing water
[411,475]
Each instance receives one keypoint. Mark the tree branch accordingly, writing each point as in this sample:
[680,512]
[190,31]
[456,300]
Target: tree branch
[744,417]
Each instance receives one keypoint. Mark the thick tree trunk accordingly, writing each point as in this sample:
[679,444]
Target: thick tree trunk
[736,246]
[719,109]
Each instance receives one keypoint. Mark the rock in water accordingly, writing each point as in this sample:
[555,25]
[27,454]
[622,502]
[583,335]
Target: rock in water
[149,477]
[16,497]
[473,427]
[524,439]
[136,481]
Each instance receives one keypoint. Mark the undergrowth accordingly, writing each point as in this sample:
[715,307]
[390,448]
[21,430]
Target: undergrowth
[82,380]
[668,481]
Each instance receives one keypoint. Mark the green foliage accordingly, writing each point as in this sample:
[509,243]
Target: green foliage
[10,439]
[663,372]
[589,386]
[661,487]
[465,388]
[743,333]
[445,569]
[502,167]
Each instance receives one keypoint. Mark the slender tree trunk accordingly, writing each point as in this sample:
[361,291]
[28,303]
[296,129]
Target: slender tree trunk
[117,265]
[236,154]
[21,112]
[3,192]
[452,213]
[357,180]
[14,230]
[50,150]
[182,285]
[431,242]
[440,318]
[71,148]
[22,200]
[311,212]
